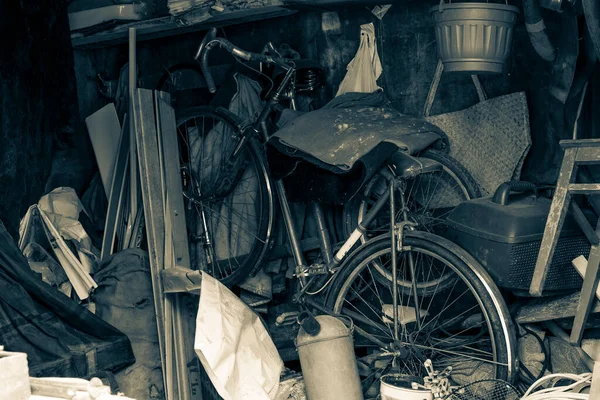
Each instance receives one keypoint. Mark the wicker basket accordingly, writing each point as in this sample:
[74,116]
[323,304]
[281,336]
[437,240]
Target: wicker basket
[474,37]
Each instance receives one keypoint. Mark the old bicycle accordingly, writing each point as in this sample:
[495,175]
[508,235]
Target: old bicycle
[412,295]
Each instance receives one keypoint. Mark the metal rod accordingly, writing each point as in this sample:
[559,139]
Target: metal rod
[323,232]
[116,196]
[411,265]
[133,166]
[290,227]
[433,88]
[372,214]
[394,260]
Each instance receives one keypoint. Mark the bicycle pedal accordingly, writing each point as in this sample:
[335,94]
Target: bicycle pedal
[287,318]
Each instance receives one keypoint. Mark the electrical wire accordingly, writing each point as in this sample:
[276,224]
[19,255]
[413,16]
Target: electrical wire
[527,377]
[559,392]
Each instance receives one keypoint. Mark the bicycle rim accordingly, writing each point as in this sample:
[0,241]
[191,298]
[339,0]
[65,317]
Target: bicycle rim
[229,206]
[465,325]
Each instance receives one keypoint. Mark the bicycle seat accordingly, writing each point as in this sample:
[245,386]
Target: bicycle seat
[407,167]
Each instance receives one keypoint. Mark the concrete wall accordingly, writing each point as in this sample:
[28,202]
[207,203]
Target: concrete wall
[38,105]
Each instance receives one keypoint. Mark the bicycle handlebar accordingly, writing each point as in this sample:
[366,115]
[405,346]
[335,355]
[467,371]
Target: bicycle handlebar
[210,41]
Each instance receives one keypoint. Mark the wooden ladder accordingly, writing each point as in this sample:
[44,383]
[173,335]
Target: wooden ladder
[577,153]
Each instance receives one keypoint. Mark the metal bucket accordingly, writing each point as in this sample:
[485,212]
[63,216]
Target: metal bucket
[474,37]
[328,361]
[398,387]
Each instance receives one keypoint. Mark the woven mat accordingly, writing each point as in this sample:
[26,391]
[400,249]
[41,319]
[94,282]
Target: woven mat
[490,139]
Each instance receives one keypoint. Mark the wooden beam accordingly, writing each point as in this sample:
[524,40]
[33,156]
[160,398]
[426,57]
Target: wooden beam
[556,217]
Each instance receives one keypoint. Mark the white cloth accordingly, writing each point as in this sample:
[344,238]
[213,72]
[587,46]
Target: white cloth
[365,67]
[234,347]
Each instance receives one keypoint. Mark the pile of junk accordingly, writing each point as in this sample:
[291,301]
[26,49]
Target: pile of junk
[261,247]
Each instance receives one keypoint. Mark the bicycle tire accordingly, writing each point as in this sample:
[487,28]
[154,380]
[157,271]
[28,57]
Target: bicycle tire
[244,242]
[469,274]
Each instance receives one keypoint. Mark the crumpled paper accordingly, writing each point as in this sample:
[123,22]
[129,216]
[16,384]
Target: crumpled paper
[233,345]
[62,207]
[365,68]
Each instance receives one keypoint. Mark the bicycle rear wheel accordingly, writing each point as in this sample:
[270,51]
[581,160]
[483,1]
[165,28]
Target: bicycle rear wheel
[465,325]
[229,204]
[429,197]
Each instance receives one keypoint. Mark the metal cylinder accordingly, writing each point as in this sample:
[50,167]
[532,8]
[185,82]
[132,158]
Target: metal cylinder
[328,361]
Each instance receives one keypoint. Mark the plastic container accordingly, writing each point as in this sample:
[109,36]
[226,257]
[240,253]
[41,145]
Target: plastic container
[474,37]
[398,387]
[506,238]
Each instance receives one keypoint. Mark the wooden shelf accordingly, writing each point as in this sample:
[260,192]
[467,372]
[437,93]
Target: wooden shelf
[169,26]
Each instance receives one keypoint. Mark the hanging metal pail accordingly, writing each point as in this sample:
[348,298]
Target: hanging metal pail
[474,37]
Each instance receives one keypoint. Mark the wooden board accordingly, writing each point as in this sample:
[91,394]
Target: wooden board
[168,26]
[551,309]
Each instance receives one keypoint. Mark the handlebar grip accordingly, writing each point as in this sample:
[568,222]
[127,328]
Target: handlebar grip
[210,82]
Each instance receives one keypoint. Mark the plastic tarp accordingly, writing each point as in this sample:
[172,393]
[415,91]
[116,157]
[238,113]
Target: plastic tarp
[60,337]
[328,154]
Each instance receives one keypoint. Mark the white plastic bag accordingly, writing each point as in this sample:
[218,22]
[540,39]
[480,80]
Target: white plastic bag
[365,67]
[233,345]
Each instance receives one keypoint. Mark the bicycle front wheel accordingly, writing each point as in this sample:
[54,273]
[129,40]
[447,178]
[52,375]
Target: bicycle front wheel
[229,202]
[465,325]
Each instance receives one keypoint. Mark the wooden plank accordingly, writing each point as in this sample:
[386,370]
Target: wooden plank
[595,388]
[170,26]
[330,4]
[173,186]
[152,192]
[556,217]
[584,188]
[584,224]
[104,130]
[551,308]
[588,155]
[588,293]
[565,144]
[179,254]
[580,264]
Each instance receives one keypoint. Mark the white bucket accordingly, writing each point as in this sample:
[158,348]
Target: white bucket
[398,387]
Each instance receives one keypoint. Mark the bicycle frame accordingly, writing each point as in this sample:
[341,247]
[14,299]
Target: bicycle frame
[332,261]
